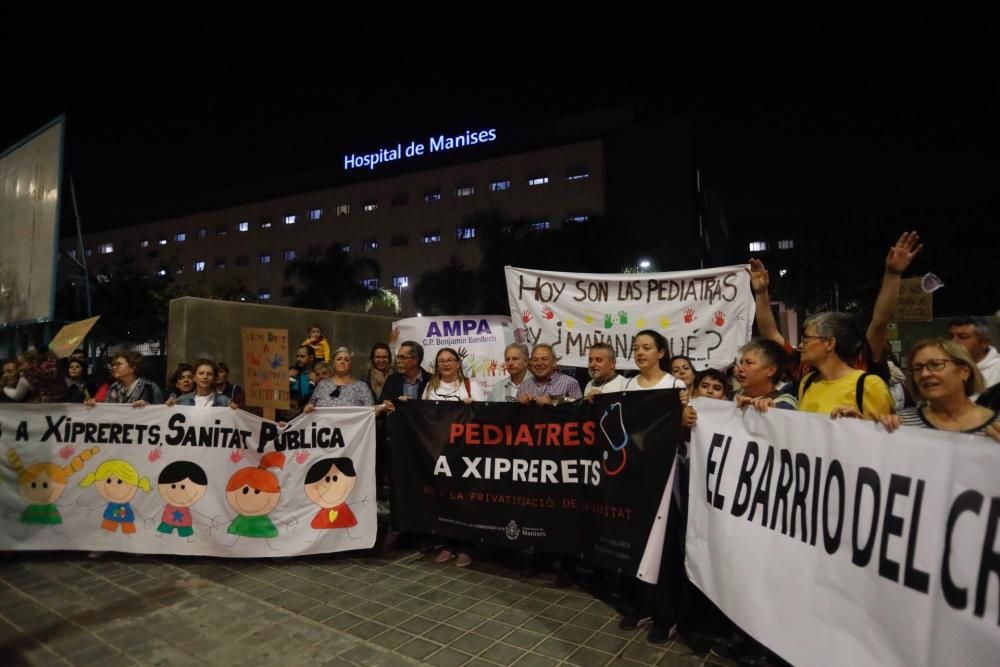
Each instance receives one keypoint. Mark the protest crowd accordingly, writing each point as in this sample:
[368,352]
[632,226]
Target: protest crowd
[840,368]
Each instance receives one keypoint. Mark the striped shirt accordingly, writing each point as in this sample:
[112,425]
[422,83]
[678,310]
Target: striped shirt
[915,417]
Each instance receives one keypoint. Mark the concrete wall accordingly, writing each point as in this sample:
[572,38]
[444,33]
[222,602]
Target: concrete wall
[211,328]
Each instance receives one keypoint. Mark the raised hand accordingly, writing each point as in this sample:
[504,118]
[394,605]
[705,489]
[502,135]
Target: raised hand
[901,254]
[759,279]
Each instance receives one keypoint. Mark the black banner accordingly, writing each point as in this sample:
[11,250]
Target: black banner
[583,478]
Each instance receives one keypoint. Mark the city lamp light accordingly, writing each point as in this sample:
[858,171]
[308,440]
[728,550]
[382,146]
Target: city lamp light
[644,264]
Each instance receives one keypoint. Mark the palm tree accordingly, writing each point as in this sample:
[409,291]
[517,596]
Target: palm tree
[335,278]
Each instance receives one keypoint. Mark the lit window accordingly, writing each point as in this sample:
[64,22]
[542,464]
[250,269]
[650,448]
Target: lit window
[343,209]
[400,199]
[345,247]
[162,242]
[144,244]
[199,267]
[370,244]
[202,232]
[432,195]
[289,219]
[220,263]
[289,255]
[162,273]
[539,226]
[180,237]
[179,270]
[758,246]
[265,223]
[264,294]
[370,205]
[220,230]
[577,173]
[400,281]
[434,237]
[264,259]
[465,190]
[370,283]
[576,219]
[538,180]
[315,213]
[106,248]
[72,253]
[243,226]
[89,252]
[786,244]
[465,232]
[499,186]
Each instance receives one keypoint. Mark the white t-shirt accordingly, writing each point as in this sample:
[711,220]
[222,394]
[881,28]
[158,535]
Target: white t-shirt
[505,391]
[206,401]
[454,391]
[617,383]
[668,381]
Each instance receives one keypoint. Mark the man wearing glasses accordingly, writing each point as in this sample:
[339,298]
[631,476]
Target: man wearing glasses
[409,382]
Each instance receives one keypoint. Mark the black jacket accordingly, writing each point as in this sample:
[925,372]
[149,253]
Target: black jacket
[393,387]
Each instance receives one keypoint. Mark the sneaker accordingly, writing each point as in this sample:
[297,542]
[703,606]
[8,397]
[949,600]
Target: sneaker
[634,621]
[443,556]
[463,560]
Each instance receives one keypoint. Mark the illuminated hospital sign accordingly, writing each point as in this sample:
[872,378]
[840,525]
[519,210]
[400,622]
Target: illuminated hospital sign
[437,144]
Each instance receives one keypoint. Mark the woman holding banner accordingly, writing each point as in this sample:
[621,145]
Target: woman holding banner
[205,394]
[657,596]
[342,389]
[449,382]
[944,377]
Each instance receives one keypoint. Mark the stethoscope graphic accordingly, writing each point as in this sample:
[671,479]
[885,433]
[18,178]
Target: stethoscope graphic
[615,447]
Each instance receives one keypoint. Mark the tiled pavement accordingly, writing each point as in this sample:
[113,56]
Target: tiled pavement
[68,609]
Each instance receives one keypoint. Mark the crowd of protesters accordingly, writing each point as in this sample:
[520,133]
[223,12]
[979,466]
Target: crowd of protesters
[839,368]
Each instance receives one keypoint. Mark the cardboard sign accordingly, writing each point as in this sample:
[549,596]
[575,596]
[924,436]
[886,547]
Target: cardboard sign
[914,305]
[71,335]
[265,367]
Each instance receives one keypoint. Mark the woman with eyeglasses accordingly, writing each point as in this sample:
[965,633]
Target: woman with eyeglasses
[835,388]
[341,390]
[449,382]
[128,386]
[944,377]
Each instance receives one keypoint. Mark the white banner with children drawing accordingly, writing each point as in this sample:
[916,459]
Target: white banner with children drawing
[478,340]
[186,481]
[705,314]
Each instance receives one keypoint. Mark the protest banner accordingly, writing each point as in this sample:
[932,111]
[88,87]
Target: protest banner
[855,546]
[914,304]
[706,314]
[583,478]
[71,336]
[265,367]
[479,341]
[186,481]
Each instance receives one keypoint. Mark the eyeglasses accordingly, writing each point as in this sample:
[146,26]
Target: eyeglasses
[335,393]
[808,337]
[933,365]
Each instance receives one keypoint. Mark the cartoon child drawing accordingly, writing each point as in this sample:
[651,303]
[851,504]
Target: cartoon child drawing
[181,484]
[328,484]
[42,484]
[117,482]
[253,493]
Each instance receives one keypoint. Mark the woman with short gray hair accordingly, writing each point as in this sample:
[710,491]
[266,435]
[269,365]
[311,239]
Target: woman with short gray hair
[341,390]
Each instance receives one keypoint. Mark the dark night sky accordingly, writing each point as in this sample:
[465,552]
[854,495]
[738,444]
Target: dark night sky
[794,115]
